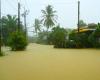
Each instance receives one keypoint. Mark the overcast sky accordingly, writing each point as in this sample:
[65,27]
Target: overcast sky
[66,10]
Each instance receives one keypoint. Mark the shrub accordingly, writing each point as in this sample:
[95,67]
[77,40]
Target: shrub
[94,38]
[80,39]
[1,54]
[17,41]
[70,44]
[58,37]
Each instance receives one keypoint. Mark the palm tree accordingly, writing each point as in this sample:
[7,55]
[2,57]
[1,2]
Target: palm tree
[9,22]
[37,26]
[9,25]
[49,17]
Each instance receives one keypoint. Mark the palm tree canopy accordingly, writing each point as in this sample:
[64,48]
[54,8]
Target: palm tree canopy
[37,25]
[9,22]
[9,25]
[49,17]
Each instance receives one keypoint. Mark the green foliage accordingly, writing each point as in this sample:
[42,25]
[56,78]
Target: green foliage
[17,41]
[49,17]
[9,25]
[94,38]
[37,25]
[58,37]
[88,39]
[80,39]
[1,54]
[70,44]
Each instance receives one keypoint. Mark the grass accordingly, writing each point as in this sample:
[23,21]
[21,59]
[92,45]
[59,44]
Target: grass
[43,62]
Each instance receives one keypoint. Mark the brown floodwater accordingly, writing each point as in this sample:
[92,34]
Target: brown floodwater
[43,62]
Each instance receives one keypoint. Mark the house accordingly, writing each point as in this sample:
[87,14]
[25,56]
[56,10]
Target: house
[88,31]
[85,29]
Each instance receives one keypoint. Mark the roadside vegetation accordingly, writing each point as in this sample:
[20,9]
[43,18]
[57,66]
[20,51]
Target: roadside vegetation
[13,36]
[87,37]
[1,54]
[48,31]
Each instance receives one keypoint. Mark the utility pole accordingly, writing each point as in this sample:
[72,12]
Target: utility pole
[78,16]
[0,28]
[18,16]
[25,24]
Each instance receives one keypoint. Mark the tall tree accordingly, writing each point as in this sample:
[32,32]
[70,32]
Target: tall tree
[9,22]
[37,26]
[9,25]
[49,17]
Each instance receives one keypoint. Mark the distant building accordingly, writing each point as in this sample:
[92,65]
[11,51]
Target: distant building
[85,29]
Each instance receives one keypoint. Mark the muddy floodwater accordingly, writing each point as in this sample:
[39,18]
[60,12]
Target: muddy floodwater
[43,62]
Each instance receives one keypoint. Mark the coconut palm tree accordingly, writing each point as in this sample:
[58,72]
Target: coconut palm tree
[9,25]
[37,26]
[49,17]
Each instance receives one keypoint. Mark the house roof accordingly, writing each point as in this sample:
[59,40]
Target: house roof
[84,30]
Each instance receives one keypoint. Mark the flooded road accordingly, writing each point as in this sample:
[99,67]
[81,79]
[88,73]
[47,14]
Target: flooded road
[43,62]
